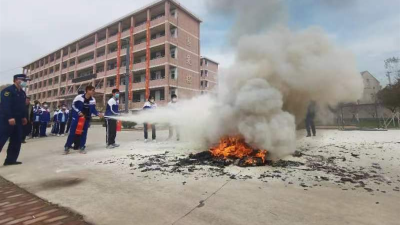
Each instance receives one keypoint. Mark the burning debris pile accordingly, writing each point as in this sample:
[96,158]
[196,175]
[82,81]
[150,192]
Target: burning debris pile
[235,148]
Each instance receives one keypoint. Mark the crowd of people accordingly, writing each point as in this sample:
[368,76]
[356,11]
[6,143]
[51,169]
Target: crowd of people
[39,117]
[20,120]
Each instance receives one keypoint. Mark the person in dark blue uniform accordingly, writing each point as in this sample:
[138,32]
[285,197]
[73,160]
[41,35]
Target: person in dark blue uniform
[83,106]
[13,118]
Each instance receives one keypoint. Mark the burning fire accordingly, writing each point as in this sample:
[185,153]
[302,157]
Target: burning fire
[234,147]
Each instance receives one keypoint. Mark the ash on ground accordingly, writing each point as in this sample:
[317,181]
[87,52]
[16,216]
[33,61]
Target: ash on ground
[306,169]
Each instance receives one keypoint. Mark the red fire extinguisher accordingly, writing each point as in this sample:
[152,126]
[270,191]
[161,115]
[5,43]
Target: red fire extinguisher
[119,125]
[81,124]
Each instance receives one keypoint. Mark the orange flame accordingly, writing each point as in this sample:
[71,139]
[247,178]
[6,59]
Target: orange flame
[235,147]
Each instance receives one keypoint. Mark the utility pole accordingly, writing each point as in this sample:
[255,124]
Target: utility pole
[388,76]
[127,73]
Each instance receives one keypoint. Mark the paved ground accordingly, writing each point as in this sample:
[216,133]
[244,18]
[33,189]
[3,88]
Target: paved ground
[107,187]
[20,207]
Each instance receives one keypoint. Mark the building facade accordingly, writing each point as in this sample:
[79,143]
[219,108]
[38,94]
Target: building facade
[208,75]
[163,41]
[371,87]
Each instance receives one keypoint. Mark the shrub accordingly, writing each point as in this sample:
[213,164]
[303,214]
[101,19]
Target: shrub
[128,125]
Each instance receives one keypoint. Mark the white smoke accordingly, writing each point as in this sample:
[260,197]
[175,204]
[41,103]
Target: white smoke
[250,17]
[266,92]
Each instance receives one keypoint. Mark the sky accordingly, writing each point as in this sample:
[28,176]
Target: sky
[30,29]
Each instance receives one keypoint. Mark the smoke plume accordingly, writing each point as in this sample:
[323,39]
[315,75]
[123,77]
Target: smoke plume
[276,73]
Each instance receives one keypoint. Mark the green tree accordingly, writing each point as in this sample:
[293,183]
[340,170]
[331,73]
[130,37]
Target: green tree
[392,66]
[390,96]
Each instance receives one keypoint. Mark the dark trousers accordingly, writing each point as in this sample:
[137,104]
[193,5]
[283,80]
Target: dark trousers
[111,131]
[43,127]
[56,128]
[62,128]
[27,129]
[35,131]
[310,126]
[76,141]
[153,131]
[14,133]
[68,126]
[72,138]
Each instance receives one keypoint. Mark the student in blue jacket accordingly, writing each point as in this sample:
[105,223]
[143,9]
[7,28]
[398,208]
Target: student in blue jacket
[150,105]
[83,106]
[37,110]
[55,128]
[44,119]
[62,118]
[111,124]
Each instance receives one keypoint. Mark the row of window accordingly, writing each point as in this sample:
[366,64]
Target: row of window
[156,75]
[112,64]
[204,84]
[203,62]
[160,54]
[47,60]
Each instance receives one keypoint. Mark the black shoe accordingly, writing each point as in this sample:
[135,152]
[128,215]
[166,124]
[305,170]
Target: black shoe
[23,142]
[308,135]
[12,163]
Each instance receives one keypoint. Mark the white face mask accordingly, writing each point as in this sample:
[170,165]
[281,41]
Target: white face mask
[152,100]
[174,100]
[45,106]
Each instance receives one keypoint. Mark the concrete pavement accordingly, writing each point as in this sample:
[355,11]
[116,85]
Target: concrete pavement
[113,193]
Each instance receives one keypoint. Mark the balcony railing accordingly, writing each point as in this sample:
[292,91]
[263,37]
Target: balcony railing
[157,61]
[125,33]
[112,55]
[138,47]
[112,38]
[85,63]
[136,86]
[157,82]
[86,49]
[100,74]
[102,42]
[157,21]
[157,41]
[139,28]
[139,66]
[72,54]
[101,58]
[112,72]
[123,51]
